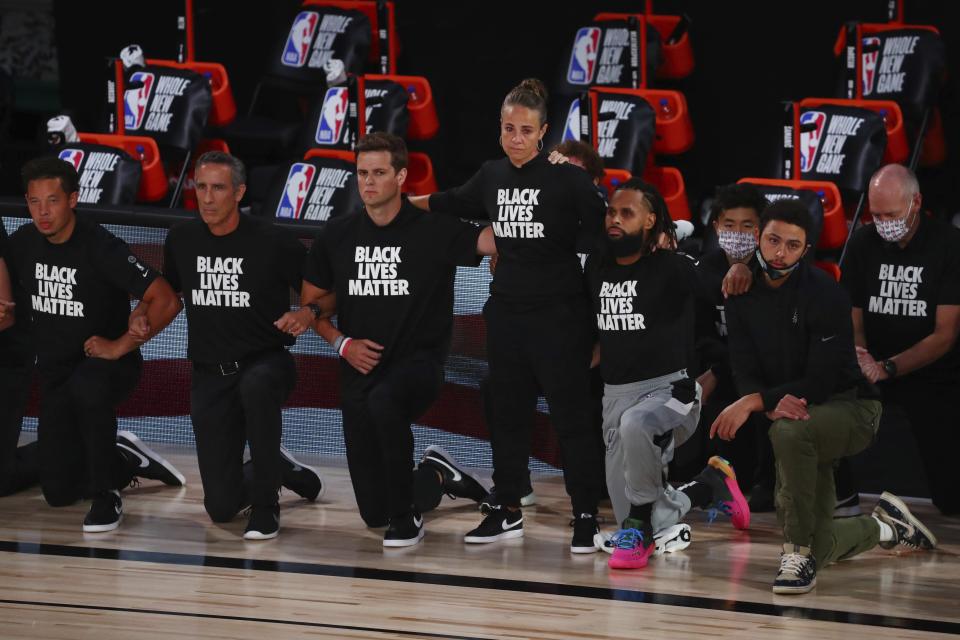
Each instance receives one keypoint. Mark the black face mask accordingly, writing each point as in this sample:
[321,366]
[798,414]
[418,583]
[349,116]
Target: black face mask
[774,273]
[626,245]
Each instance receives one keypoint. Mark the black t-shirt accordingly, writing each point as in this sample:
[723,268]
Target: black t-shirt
[234,286]
[78,289]
[394,284]
[644,315]
[899,289]
[711,323]
[538,211]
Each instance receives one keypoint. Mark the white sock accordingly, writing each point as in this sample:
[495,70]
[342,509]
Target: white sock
[887,534]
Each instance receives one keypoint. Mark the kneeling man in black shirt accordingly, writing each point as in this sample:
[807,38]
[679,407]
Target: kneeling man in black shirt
[792,355]
[391,269]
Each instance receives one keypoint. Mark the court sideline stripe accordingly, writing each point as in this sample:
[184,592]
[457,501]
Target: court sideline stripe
[214,616]
[477,582]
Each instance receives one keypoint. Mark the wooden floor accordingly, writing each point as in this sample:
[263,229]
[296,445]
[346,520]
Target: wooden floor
[168,572]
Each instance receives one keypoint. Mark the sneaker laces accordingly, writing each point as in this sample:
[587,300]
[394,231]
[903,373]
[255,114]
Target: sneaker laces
[626,539]
[717,508]
[792,563]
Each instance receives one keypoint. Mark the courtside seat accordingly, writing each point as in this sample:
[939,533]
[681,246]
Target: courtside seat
[833,232]
[153,179]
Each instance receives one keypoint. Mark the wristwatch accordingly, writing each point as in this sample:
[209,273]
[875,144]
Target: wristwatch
[315,310]
[890,367]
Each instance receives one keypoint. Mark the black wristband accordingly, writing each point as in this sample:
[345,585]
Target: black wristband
[890,367]
[315,310]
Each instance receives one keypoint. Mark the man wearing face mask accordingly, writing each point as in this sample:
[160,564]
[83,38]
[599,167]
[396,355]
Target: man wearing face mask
[903,276]
[793,359]
[735,217]
[643,302]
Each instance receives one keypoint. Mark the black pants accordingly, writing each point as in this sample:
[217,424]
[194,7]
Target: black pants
[77,431]
[548,349]
[933,420]
[229,411]
[377,413]
[19,466]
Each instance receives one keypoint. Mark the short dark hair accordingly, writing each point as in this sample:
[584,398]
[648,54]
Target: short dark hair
[663,223]
[383,141]
[791,211]
[585,153]
[238,172]
[530,93]
[734,196]
[44,168]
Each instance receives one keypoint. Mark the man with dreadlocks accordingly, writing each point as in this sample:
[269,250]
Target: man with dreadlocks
[643,300]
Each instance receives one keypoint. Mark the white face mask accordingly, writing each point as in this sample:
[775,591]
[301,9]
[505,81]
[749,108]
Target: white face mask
[893,230]
[737,244]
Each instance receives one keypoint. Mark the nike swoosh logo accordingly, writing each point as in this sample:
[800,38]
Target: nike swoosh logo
[828,339]
[456,474]
[418,522]
[117,509]
[510,525]
[144,463]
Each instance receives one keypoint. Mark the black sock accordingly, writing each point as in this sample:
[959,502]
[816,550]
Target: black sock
[700,493]
[641,513]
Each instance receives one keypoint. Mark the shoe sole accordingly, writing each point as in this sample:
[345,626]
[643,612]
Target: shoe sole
[847,512]
[408,542]
[323,485]
[154,456]
[912,519]
[506,535]
[672,539]
[592,549]
[256,535]
[102,528]
[788,591]
[615,563]
[440,451]
[740,519]
[528,500]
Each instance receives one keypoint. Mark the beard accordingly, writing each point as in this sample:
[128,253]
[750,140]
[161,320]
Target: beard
[627,244]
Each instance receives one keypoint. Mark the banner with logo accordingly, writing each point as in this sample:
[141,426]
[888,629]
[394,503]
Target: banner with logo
[316,35]
[601,55]
[166,104]
[625,129]
[316,190]
[107,175]
[328,125]
[906,66]
[843,145]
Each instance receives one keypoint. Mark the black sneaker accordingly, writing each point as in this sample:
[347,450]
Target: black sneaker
[909,530]
[405,531]
[585,529]
[147,462]
[264,523]
[105,513]
[798,570]
[303,480]
[761,499]
[500,524]
[848,507]
[457,481]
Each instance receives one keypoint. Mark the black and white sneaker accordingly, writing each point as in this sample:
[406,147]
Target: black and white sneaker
[500,524]
[668,540]
[405,531]
[457,481]
[848,507]
[105,513]
[303,480]
[147,463]
[264,523]
[910,532]
[798,570]
[491,500]
[585,530]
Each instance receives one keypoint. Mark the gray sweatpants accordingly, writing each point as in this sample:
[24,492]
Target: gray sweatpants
[642,425]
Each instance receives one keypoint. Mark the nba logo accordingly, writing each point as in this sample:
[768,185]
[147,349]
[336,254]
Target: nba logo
[811,128]
[298,42]
[333,117]
[868,62]
[73,156]
[295,191]
[135,100]
[583,58]
[571,131]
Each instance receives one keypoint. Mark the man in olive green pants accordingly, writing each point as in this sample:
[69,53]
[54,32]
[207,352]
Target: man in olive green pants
[793,359]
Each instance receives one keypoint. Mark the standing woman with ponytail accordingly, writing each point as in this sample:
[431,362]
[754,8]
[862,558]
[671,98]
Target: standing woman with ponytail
[539,334]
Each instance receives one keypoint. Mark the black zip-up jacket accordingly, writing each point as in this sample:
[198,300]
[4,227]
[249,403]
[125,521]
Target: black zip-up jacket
[796,340]
[539,212]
